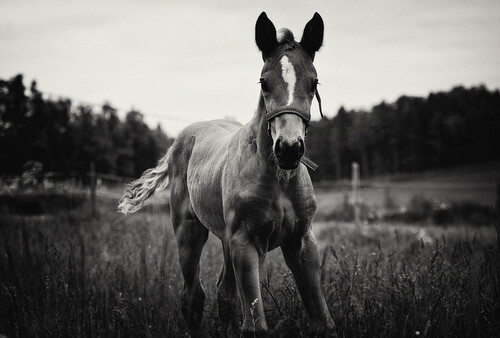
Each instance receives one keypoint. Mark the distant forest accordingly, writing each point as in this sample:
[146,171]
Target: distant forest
[444,129]
[413,134]
[66,139]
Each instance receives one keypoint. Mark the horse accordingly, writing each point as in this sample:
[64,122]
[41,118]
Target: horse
[248,185]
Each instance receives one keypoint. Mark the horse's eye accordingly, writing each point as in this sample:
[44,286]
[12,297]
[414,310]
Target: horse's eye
[263,85]
[314,85]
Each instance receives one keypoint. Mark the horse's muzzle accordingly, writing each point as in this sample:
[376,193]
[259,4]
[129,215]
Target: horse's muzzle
[289,153]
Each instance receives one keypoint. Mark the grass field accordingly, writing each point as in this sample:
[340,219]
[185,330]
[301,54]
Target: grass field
[473,183]
[67,275]
[467,188]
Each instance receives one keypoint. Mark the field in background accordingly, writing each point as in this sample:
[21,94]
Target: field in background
[466,189]
[474,188]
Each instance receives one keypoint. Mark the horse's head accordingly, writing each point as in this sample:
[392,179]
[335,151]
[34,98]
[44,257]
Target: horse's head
[288,82]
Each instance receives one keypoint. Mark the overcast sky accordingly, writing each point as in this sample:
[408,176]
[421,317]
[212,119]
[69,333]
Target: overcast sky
[184,61]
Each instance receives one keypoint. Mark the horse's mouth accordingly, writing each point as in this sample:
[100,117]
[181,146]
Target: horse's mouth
[288,164]
[288,158]
[289,153]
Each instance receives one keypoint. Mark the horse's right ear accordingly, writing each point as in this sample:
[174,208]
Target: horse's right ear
[265,35]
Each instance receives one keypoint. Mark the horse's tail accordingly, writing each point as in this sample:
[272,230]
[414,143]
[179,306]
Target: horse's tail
[137,192]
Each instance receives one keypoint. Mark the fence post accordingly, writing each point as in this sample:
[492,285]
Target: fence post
[355,188]
[93,184]
[498,197]
[497,207]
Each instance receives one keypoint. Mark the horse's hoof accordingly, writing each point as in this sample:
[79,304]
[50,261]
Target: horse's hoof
[328,329]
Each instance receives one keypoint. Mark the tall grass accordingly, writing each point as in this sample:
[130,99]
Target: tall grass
[67,275]
[440,288]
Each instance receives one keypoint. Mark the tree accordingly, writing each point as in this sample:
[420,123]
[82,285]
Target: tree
[14,131]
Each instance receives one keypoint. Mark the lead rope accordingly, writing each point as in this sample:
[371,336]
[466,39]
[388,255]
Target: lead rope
[305,159]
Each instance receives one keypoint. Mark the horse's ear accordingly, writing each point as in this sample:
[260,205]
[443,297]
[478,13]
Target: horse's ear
[265,35]
[312,38]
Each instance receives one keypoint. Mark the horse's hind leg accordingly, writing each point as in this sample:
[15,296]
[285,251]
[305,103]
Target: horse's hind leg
[227,298]
[191,236]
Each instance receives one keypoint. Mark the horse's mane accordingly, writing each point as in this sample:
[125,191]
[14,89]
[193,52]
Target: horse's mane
[286,39]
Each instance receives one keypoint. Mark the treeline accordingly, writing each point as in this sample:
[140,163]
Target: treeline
[413,134]
[54,135]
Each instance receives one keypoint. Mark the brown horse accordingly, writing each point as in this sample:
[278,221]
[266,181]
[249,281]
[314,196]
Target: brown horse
[247,185]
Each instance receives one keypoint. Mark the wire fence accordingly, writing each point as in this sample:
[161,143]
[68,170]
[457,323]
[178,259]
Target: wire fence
[466,195]
[379,196]
[379,193]
[26,193]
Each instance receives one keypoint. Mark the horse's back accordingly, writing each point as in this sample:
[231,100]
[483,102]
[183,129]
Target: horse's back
[201,137]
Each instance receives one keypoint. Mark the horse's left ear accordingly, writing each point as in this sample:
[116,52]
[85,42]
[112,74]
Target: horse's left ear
[312,38]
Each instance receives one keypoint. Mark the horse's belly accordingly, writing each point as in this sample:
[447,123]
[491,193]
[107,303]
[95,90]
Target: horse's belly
[204,187]
[209,212]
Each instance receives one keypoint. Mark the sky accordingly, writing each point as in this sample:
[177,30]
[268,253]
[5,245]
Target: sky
[180,62]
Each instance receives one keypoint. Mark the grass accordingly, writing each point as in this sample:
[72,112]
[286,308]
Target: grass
[65,275]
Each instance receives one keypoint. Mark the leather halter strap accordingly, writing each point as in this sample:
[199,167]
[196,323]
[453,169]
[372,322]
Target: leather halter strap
[294,110]
[288,110]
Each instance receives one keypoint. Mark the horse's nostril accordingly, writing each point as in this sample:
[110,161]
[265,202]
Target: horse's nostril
[278,148]
[289,150]
[301,147]
[289,153]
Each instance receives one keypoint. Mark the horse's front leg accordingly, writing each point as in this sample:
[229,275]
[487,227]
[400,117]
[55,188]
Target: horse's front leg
[247,254]
[302,257]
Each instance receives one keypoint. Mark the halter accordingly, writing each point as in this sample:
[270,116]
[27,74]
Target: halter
[304,115]
[288,110]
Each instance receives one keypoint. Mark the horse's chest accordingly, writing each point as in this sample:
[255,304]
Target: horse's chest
[290,219]
[269,214]
[284,213]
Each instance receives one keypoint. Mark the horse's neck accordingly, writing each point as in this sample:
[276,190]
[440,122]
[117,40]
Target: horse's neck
[259,126]
[259,129]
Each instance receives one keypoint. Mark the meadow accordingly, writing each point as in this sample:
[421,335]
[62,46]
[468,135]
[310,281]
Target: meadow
[66,274]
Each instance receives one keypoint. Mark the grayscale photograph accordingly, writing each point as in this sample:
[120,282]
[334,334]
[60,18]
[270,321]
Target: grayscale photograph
[250,169]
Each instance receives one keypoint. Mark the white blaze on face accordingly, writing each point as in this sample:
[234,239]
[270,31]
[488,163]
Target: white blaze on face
[288,74]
